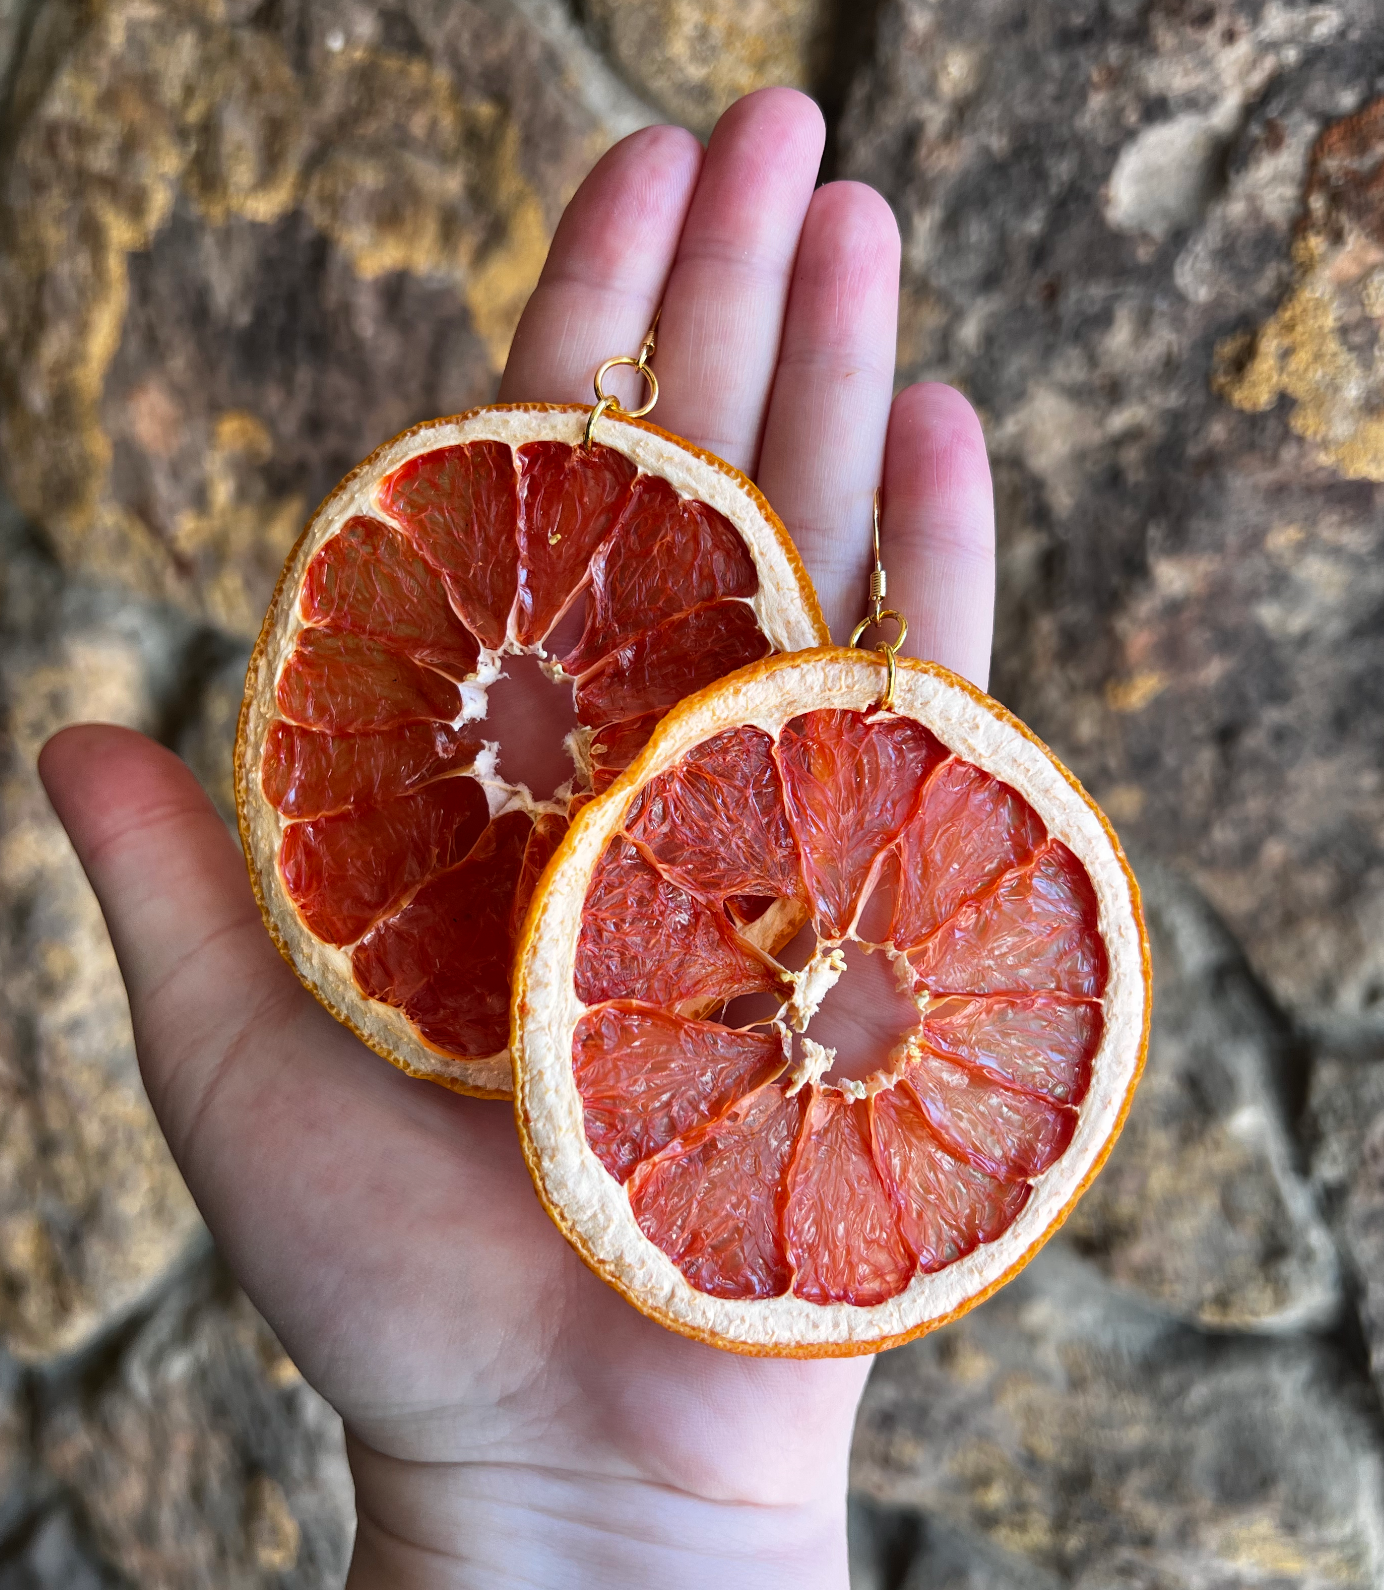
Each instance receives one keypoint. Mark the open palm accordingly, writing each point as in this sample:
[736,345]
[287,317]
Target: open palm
[510,1419]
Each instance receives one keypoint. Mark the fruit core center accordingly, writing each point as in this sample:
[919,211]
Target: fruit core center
[850,1002]
[531,715]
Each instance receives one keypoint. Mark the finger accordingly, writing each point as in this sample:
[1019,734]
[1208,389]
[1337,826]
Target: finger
[938,529]
[166,871]
[824,436]
[200,970]
[606,268]
[723,309]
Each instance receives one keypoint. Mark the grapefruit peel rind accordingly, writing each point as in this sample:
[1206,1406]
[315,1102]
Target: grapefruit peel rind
[785,605]
[593,1210]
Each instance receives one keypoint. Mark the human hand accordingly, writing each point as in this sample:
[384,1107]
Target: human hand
[511,1420]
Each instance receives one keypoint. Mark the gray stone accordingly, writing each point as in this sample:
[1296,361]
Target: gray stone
[1143,239]
[206,1459]
[1097,1442]
[92,1210]
[206,741]
[693,58]
[951,1559]
[1202,1206]
[1344,1099]
[16,1487]
[16,17]
[1345,1127]
[897,1549]
[241,248]
[53,1555]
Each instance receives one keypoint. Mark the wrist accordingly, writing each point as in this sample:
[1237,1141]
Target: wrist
[478,1526]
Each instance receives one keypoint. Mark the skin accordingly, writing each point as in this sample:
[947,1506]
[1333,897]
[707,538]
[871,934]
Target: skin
[510,1420]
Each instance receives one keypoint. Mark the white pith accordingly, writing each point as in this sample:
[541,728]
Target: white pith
[594,1209]
[782,606]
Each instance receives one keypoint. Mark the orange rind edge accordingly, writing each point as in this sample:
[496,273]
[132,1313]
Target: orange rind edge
[243,773]
[633,776]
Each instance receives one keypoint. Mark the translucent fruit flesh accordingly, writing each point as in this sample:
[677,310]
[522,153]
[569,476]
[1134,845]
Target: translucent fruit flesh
[389,850]
[754,1175]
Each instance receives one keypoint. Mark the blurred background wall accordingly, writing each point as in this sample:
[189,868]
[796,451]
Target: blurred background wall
[242,241]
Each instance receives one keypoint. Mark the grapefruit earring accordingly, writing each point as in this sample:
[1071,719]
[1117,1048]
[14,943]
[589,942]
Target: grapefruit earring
[722,1176]
[391,856]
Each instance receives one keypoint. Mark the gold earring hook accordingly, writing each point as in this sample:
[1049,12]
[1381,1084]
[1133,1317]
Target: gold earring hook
[879,584]
[607,402]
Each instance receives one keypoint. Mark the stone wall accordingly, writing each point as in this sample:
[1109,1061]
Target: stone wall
[241,241]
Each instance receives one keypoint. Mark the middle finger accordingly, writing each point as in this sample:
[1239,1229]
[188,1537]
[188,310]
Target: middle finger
[724,304]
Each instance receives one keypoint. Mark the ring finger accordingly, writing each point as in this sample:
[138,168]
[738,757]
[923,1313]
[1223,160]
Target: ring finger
[824,441]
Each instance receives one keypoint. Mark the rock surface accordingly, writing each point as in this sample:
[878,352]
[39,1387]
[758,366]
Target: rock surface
[1345,1128]
[55,1554]
[92,1211]
[1108,213]
[1203,1208]
[242,244]
[1091,1440]
[692,58]
[206,1460]
[246,246]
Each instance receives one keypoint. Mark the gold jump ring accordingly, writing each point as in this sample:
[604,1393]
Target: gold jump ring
[871,619]
[634,364]
[595,414]
[886,701]
[888,649]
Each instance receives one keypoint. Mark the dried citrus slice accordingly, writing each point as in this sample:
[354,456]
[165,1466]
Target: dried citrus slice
[391,857]
[731,1175]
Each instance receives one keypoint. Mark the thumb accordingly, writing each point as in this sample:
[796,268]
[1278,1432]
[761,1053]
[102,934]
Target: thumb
[197,964]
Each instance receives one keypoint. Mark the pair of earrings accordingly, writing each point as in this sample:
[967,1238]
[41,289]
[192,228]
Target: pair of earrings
[620,948]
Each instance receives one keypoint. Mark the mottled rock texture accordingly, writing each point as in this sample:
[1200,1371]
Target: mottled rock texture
[1345,1129]
[692,58]
[241,244]
[243,247]
[1141,236]
[1082,1436]
[1203,1208]
[205,1460]
[92,1211]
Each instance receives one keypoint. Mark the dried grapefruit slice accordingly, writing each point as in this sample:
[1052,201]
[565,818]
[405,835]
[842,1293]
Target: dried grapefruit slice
[391,858]
[722,1171]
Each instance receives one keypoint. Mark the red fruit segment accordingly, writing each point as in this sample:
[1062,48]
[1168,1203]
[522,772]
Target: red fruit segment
[647,1076]
[1011,1134]
[667,554]
[644,938]
[969,830]
[544,838]
[460,507]
[569,499]
[1041,1042]
[306,773]
[368,580]
[658,668]
[350,684]
[852,782]
[1036,931]
[715,823]
[840,1225]
[344,871]
[714,1208]
[946,1206]
[616,746]
[444,958]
